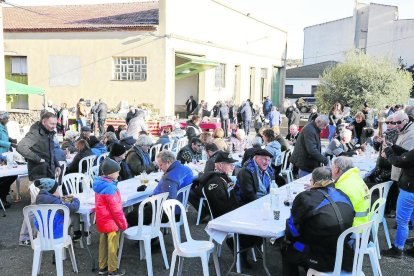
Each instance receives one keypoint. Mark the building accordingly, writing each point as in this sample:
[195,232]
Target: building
[158,52]
[374,28]
[303,81]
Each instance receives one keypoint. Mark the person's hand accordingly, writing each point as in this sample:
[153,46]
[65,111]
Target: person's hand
[57,172]
[13,141]
[383,154]
[14,145]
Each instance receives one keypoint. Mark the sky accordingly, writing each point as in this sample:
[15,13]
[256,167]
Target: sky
[290,15]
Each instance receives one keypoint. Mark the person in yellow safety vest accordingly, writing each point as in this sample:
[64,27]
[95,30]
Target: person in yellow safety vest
[348,180]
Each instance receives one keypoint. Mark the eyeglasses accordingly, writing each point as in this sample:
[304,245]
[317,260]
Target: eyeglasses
[397,122]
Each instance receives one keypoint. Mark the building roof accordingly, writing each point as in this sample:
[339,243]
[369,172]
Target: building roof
[101,17]
[312,71]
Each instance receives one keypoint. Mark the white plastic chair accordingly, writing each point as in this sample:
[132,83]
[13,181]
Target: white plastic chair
[200,209]
[373,252]
[383,190]
[63,165]
[154,150]
[45,241]
[73,181]
[34,191]
[287,166]
[190,248]
[94,172]
[360,234]
[185,193]
[167,146]
[144,233]
[101,158]
[2,206]
[89,160]
[180,143]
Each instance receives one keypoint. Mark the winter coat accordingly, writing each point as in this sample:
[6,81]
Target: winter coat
[267,106]
[60,154]
[224,112]
[246,112]
[313,228]
[405,140]
[211,163]
[5,143]
[283,143]
[275,119]
[294,118]
[81,111]
[108,206]
[129,116]
[351,183]
[187,155]
[190,105]
[164,139]
[276,150]
[102,111]
[128,142]
[135,126]
[307,154]
[45,197]
[216,185]
[247,185]
[36,145]
[94,112]
[138,161]
[99,149]
[403,159]
[74,166]
[192,131]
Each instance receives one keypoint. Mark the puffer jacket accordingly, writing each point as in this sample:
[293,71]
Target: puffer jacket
[276,150]
[351,183]
[36,145]
[405,140]
[45,197]
[108,206]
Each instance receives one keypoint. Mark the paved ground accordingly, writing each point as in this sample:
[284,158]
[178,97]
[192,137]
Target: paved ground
[17,260]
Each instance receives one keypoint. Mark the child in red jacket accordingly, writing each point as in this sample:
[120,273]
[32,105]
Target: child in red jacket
[109,217]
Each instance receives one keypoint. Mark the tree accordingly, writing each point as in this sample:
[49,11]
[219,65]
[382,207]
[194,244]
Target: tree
[362,78]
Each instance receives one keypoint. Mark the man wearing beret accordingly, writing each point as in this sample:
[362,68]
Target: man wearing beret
[117,154]
[253,180]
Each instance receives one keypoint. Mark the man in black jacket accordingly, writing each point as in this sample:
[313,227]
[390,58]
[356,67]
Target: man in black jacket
[37,147]
[307,154]
[313,228]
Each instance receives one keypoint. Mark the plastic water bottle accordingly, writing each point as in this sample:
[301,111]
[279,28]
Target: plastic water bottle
[273,188]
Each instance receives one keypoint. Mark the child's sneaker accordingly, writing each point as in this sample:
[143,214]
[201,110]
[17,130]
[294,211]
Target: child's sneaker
[117,272]
[77,235]
[103,271]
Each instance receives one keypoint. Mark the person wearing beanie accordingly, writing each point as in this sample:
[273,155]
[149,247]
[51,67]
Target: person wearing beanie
[117,154]
[110,218]
[49,194]
[97,147]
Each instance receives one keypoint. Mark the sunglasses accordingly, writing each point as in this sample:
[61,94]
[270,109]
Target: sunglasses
[396,123]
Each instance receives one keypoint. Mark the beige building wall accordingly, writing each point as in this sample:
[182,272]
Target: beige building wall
[70,66]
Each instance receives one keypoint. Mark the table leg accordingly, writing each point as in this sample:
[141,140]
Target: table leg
[235,244]
[18,197]
[264,257]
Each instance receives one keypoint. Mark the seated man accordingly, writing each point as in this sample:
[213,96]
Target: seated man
[138,158]
[175,177]
[293,134]
[212,151]
[191,152]
[341,146]
[49,194]
[253,180]
[313,229]
[216,184]
[348,180]
[117,153]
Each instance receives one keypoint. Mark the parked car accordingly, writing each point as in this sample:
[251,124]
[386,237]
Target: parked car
[304,104]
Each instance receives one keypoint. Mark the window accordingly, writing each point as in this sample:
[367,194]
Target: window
[263,72]
[288,89]
[18,65]
[220,75]
[314,88]
[130,68]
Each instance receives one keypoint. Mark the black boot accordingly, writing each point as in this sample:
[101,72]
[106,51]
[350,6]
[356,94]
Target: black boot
[393,252]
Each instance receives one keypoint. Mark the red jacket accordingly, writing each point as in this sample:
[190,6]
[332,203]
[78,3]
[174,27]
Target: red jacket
[108,206]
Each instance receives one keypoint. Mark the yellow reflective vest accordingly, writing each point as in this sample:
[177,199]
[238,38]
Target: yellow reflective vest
[355,188]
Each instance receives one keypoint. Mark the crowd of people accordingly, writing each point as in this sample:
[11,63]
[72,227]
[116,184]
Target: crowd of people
[312,219]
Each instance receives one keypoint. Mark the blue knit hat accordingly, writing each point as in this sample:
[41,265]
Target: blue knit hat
[47,184]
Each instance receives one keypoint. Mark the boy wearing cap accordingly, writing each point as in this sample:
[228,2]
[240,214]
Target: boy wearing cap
[49,194]
[109,217]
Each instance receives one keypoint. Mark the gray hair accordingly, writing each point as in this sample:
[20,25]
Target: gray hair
[345,132]
[409,109]
[4,115]
[166,156]
[321,173]
[400,115]
[144,140]
[123,134]
[111,136]
[344,163]
[322,119]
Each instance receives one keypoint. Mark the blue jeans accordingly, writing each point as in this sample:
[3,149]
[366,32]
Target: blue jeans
[405,212]
[303,173]
[81,122]
[332,130]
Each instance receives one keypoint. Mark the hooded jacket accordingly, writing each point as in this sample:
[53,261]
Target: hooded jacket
[108,206]
[99,149]
[351,183]
[276,150]
[36,145]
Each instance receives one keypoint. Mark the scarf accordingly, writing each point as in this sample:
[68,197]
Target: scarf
[144,156]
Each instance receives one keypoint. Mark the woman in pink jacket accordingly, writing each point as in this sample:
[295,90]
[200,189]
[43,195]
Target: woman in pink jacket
[109,217]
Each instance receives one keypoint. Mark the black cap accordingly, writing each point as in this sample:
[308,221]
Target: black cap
[117,149]
[263,152]
[211,147]
[86,128]
[224,157]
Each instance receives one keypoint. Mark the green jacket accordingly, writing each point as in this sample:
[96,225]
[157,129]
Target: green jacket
[351,183]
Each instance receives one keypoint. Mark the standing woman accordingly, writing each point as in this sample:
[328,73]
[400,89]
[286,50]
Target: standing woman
[335,116]
[6,143]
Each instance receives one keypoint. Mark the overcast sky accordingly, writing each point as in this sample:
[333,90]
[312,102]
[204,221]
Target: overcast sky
[290,15]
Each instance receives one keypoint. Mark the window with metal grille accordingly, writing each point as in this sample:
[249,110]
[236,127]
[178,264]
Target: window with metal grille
[18,65]
[220,75]
[130,68]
